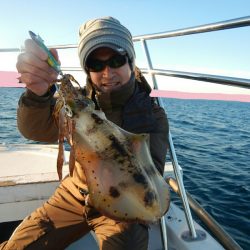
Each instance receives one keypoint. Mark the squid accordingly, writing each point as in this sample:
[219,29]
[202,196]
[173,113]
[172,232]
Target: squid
[123,182]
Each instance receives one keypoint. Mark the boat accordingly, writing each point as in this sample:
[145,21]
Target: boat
[31,177]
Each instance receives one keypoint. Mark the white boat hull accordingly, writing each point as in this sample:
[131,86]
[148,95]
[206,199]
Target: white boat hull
[28,178]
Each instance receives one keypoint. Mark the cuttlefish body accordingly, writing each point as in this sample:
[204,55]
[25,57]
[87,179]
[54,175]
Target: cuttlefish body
[123,182]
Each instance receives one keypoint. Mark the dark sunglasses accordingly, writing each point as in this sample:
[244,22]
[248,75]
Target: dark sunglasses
[95,65]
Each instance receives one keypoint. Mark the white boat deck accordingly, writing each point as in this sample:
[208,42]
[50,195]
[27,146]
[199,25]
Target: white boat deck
[28,177]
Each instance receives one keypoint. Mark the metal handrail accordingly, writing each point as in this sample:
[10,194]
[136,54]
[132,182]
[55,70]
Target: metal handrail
[223,237]
[174,162]
[217,79]
[229,24]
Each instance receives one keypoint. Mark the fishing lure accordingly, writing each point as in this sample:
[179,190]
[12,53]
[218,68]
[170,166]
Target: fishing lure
[51,59]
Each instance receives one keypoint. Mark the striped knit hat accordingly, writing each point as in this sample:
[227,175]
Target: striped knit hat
[105,32]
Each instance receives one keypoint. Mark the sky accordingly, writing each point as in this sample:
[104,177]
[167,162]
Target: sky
[58,21]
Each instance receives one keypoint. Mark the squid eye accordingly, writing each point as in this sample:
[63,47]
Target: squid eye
[68,110]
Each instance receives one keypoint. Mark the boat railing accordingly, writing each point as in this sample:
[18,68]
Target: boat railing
[153,72]
[233,81]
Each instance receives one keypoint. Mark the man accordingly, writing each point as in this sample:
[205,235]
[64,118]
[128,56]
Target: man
[107,55]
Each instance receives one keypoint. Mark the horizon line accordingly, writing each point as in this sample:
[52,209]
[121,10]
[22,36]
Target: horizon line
[9,79]
[201,96]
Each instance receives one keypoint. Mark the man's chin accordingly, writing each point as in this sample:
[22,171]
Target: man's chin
[108,89]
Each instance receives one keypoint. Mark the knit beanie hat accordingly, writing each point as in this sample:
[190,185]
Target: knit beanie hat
[105,32]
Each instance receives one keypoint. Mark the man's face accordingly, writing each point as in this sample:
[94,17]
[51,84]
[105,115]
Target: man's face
[109,78]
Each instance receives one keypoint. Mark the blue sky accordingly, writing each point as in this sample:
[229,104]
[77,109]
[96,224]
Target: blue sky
[58,21]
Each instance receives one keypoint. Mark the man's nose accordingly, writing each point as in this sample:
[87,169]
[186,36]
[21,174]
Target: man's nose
[107,71]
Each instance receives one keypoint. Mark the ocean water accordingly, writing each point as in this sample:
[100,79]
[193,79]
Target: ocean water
[212,142]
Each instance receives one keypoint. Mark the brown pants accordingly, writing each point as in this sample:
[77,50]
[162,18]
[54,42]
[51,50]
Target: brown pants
[64,218]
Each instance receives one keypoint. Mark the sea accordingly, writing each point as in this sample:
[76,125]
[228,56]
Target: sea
[212,143]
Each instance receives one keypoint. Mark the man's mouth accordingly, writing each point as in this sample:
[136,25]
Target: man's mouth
[112,84]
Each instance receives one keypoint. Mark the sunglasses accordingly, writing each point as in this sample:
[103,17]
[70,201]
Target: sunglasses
[95,65]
